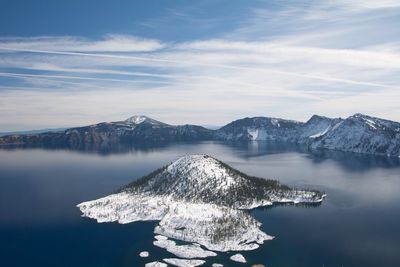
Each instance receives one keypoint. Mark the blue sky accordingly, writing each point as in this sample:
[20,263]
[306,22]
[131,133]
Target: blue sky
[67,63]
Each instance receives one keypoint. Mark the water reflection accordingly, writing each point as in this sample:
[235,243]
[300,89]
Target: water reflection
[357,224]
[348,160]
[246,150]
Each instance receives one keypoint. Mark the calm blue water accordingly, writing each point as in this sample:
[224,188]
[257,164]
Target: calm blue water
[357,225]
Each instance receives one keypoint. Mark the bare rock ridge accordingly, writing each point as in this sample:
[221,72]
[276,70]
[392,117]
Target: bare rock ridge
[358,133]
[200,200]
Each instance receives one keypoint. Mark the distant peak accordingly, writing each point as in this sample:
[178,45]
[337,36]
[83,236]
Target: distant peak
[316,117]
[196,160]
[137,119]
[359,115]
[364,118]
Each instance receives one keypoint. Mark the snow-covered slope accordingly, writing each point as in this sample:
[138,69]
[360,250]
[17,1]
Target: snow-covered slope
[259,129]
[216,227]
[200,200]
[138,119]
[136,130]
[362,134]
[358,133]
[315,127]
[204,179]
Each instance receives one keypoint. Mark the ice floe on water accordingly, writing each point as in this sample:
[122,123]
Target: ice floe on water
[184,263]
[238,258]
[144,254]
[182,251]
[156,264]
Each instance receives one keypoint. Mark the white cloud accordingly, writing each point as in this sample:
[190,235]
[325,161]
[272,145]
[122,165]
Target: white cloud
[110,43]
[260,62]
[357,57]
[368,4]
[319,61]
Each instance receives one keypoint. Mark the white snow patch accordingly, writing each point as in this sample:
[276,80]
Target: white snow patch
[184,263]
[125,208]
[190,222]
[320,133]
[137,119]
[370,122]
[238,258]
[201,168]
[217,265]
[160,237]
[202,223]
[275,122]
[257,134]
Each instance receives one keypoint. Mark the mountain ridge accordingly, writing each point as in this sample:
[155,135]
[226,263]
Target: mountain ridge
[358,133]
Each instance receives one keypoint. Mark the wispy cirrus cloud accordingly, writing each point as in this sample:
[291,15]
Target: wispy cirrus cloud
[261,54]
[369,4]
[293,60]
[110,43]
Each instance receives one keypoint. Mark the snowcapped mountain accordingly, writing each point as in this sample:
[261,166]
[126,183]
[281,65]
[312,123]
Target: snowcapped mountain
[259,128]
[361,134]
[138,119]
[358,133]
[197,199]
[315,127]
[134,130]
[201,178]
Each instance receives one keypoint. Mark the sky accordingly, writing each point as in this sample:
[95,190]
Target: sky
[71,63]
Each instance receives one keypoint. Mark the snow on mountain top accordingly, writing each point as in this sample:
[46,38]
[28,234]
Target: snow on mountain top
[375,123]
[192,161]
[360,115]
[204,179]
[200,167]
[274,121]
[370,118]
[371,121]
[136,119]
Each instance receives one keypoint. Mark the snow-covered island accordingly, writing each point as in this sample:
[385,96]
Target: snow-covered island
[200,200]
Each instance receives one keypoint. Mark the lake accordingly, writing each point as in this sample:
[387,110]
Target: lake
[357,224]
